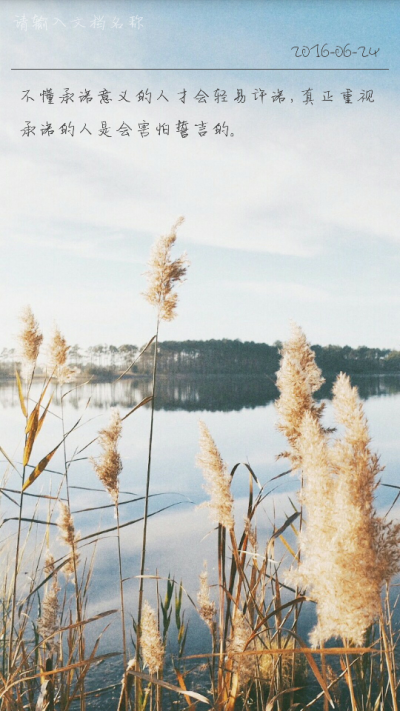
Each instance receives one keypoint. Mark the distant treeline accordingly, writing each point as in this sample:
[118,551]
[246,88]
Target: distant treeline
[219,357]
[215,357]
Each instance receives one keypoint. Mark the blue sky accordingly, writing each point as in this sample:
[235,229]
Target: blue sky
[295,216]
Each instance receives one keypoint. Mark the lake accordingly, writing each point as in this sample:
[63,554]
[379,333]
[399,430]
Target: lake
[241,417]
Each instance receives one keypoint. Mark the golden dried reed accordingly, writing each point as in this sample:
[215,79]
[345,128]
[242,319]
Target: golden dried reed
[109,465]
[30,339]
[298,379]
[207,607]
[217,480]
[66,527]
[57,358]
[348,551]
[152,646]
[164,274]
[48,622]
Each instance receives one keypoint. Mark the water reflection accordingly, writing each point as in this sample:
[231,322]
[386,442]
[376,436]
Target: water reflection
[209,393]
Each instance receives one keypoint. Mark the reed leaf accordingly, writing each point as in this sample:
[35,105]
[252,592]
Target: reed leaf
[288,546]
[278,533]
[144,349]
[314,667]
[40,467]
[31,435]
[128,523]
[35,412]
[43,415]
[181,682]
[271,703]
[21,395]
[44,462]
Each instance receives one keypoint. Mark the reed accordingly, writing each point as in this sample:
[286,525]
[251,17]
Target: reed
[30,339]
[163,275]
[108,468]
[55,655]
[57,367]
[333,553]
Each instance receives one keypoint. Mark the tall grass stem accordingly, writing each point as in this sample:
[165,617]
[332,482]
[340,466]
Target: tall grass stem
[145,517]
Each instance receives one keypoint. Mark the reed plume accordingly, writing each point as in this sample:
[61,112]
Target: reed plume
[163,274]
[152,646]
[109,465]
[30,339]
[368,548]
[57,358]
[317,537]
[66,527]
[207,607]
[217,480]
[47,623]
[348,552]
[297,379]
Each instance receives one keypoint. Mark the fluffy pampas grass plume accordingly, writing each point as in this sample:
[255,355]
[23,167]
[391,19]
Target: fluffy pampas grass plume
[109,465]
[348,551]
[30,340]
[298,379]
[217,480]
[48,622]
[164,273]
[152,646]
[368,547]
[317,536]
[207,607]
[66,527]
[57,358]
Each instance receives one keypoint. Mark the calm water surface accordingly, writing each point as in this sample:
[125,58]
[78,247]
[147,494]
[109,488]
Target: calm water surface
[241,417]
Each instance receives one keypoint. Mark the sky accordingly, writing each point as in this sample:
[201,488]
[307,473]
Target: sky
[292,215]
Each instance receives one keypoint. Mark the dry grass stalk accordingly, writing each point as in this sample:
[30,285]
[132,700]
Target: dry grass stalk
[30,339]
[207,607]
[45,701]
[66,527]
[251,535]
[164,274]
[243,664]
[126,686]
[297,380]
[217,480]
[109,465]
[152,646]
[288,665]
